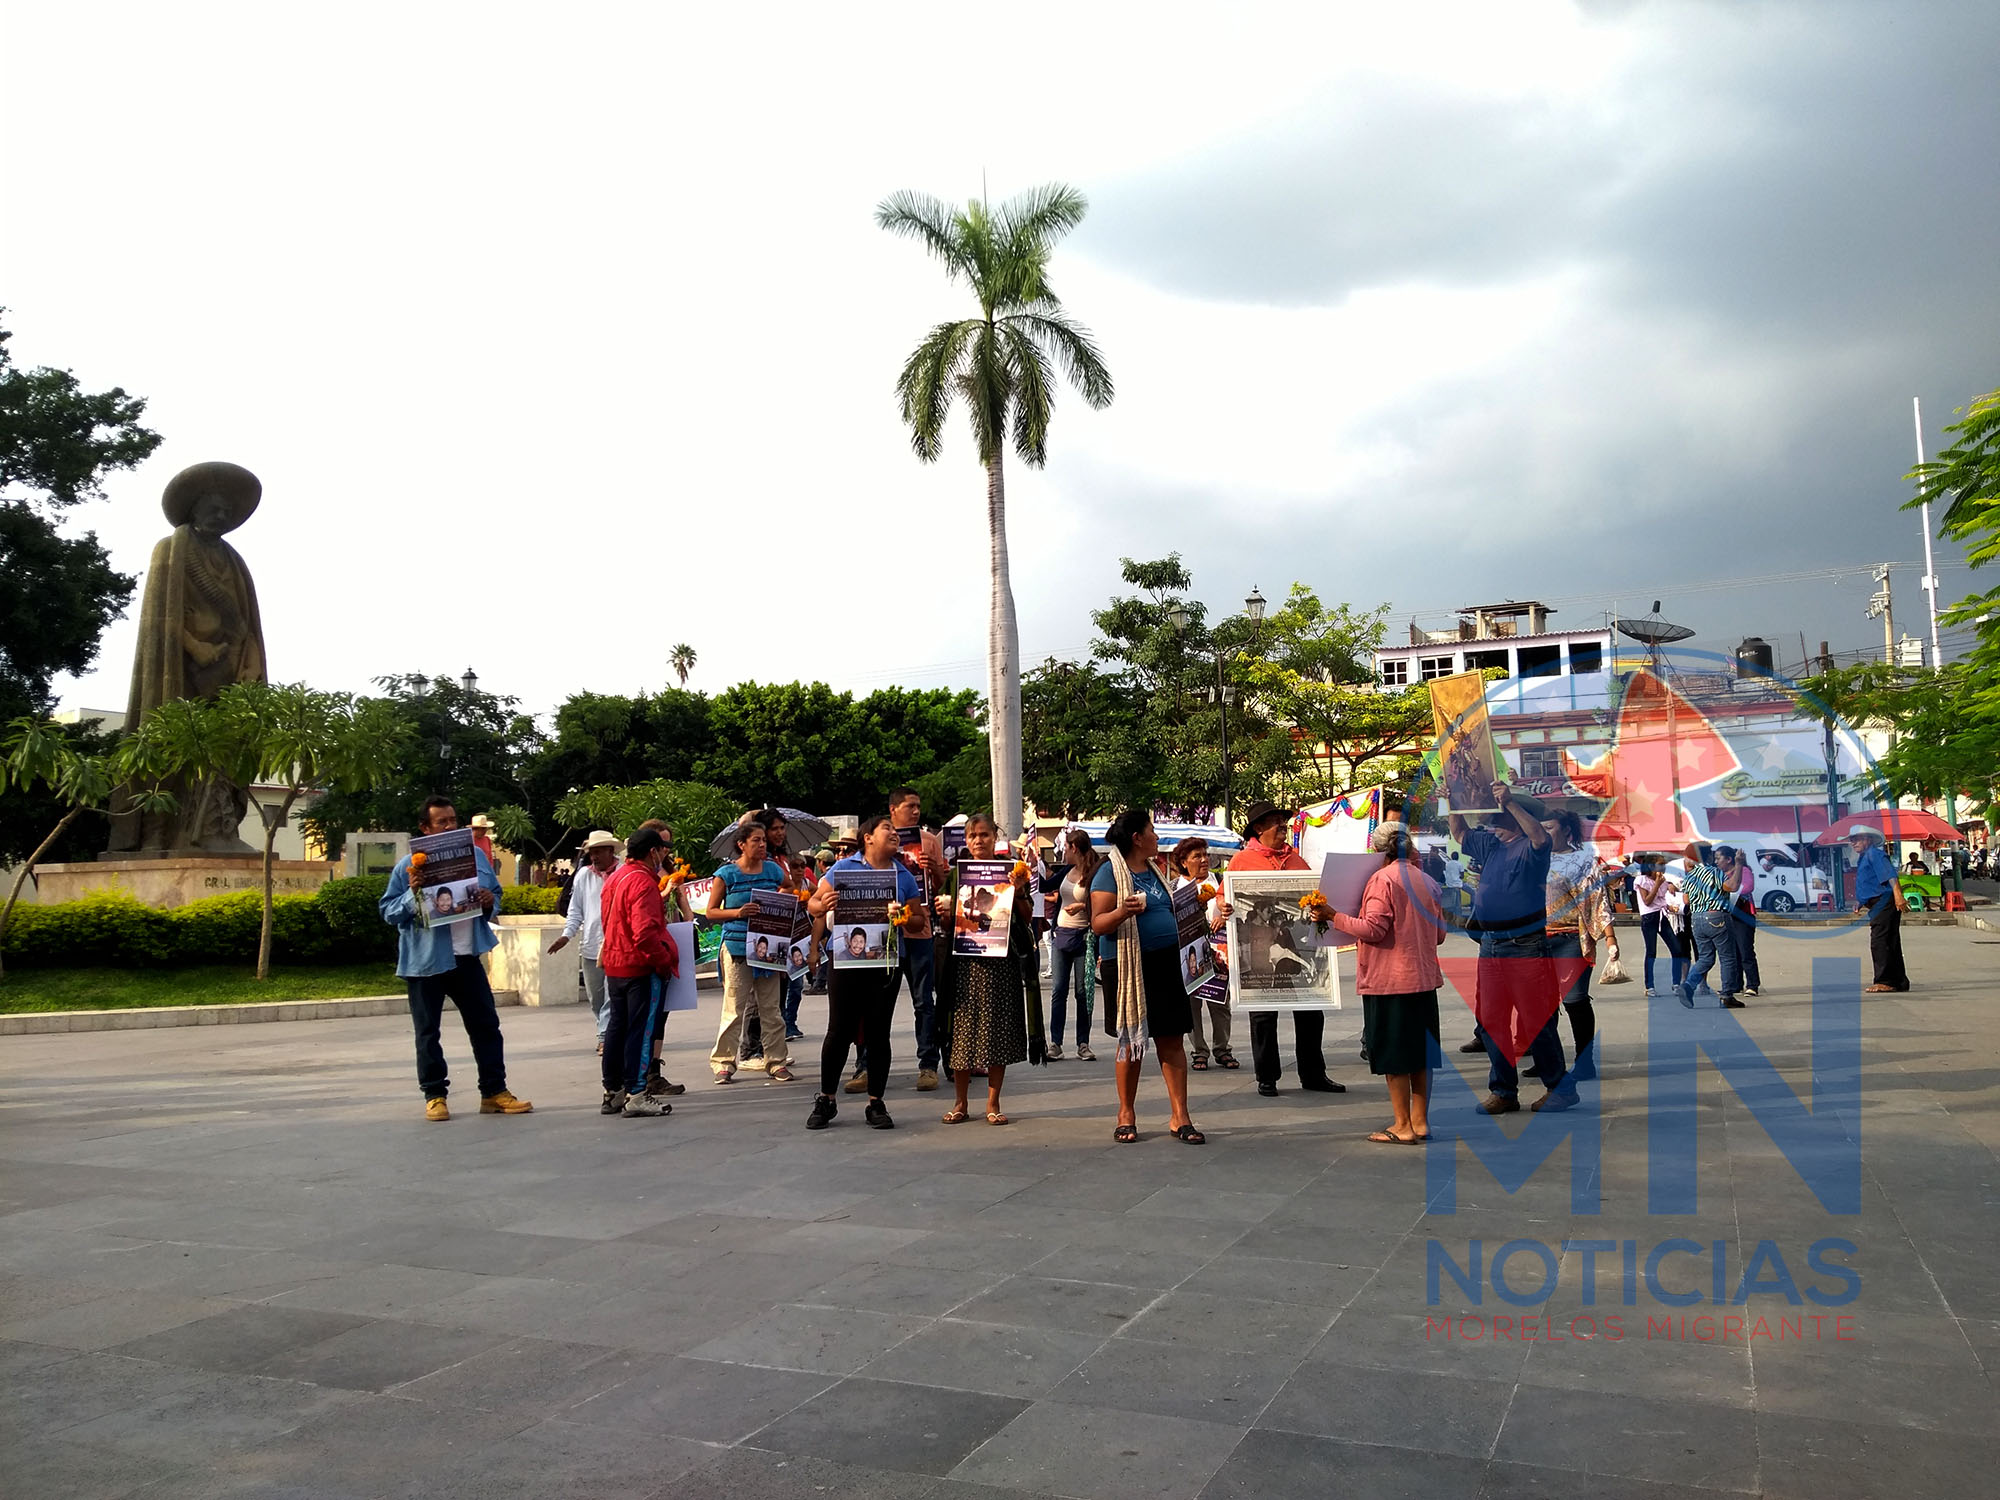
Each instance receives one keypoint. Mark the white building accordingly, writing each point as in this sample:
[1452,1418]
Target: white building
[1514,636]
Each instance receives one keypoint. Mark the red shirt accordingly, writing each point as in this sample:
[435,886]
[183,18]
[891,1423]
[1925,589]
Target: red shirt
[636,940]
[1254,856]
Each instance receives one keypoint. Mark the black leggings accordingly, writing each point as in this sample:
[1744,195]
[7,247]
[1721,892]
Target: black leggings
[859,1003]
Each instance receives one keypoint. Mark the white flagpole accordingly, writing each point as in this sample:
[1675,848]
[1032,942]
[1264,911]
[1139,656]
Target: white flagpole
[1930,567]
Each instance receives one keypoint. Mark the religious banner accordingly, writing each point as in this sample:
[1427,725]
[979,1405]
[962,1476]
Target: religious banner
[1275,958]
[707,934]
[444,872]
[1467,763]
[859,935]
[910,844]
[984,909]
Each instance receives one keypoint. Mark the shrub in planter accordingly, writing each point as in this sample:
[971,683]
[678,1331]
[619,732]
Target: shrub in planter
[528,900]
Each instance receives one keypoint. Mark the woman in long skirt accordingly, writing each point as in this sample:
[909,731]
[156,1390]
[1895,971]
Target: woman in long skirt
[988,1008]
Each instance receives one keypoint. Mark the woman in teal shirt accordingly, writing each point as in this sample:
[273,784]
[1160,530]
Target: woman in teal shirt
[732,901]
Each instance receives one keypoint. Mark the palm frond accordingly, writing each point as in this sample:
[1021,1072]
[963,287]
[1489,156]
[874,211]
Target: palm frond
[1035,220]
[1074,349]
[932,222]
[988,386]
[928,383]
[1034,395]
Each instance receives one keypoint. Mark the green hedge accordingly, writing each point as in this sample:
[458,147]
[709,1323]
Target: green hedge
[528,900]
[338,924]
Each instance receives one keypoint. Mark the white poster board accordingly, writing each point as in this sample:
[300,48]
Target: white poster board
[681,988]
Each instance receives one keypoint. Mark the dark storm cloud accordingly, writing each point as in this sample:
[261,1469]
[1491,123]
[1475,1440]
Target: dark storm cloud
[1785,212]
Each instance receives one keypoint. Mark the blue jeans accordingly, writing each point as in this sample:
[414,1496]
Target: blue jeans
[1065,966]
[465,985]
[1523,965]
[1713,941]
[1656,928]
[795,994]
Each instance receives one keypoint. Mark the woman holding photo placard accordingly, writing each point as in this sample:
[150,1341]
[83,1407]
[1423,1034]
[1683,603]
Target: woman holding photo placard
[1190,862]
[984,1001]
[859,1001]
[1131,907]
[732,901]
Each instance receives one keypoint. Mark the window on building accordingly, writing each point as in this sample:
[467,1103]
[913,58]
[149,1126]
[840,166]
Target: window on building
[1396,673]
[1541,762]
[1433,666]
[1586,656]
[1480,661]
[1541,661]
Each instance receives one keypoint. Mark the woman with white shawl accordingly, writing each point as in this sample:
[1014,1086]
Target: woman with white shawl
[1145,995]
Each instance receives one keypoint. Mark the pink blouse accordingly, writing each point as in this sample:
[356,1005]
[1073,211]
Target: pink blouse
[1400,927]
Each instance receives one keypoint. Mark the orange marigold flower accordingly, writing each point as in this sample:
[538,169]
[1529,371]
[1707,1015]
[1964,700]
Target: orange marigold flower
[1020,869]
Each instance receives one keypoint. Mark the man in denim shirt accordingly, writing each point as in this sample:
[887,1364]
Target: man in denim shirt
[445,960]
[1876,888]
[1516,990]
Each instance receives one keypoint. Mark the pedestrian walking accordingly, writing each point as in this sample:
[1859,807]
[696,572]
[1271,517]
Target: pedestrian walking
[1268,848]
[585,919]
[860,1002]
[1743,914]
[732,901]
[1145,995]
[673,898]
[1659,902]
[992,1015]
[442,961]
[1515,995]
[1210,1017]
[1876,889]
[1708,897]
[639,955]
[1397,932]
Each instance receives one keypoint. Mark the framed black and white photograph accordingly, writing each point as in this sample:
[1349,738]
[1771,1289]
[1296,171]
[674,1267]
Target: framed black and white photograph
[1275,958]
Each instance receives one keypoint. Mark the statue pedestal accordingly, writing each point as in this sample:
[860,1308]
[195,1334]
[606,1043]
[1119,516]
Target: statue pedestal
[176,877]
[522,961]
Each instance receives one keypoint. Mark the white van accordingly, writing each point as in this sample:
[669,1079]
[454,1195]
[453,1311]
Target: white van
[1783,882]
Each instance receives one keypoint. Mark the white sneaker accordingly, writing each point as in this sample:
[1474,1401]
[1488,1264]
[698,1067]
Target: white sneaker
[637,1105]
[1054,1054]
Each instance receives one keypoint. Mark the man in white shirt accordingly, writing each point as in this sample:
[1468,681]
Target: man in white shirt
[586,917]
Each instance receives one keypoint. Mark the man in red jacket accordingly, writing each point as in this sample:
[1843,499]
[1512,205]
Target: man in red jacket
[636,947]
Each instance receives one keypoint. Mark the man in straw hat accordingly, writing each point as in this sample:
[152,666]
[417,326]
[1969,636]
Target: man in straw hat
[1876,888]
[586,916]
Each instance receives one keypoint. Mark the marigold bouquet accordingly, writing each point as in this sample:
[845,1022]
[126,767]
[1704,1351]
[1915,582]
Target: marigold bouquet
[417,858]
[1313,906]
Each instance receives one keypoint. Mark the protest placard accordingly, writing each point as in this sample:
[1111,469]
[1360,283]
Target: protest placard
[778,933]
[910,845]
[445,878]
[1275,958]
[1197,955]
[859,935]
[984,910]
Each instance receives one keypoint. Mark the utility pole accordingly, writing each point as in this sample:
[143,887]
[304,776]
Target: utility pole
[1883,603]
[1832,789]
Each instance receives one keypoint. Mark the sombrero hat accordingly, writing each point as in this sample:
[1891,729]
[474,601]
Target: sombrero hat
[234,483]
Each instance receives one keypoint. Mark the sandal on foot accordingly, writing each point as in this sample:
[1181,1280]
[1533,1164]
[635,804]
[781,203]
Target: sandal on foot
[1188,1135]
[1227,1060]
[956,1116]
[994,1117]
[1388,1137]
[1125,1135]
[1199,1065]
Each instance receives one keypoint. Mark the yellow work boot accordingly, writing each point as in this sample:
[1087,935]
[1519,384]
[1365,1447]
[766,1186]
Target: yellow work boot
[503,1103]
[434,1109]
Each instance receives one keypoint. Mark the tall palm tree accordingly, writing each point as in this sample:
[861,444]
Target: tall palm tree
[1002,364]
[683,660]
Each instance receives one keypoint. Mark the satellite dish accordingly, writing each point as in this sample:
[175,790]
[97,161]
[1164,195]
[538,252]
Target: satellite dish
[1652,632]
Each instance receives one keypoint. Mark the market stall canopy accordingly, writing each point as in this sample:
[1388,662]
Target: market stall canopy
[1901,824]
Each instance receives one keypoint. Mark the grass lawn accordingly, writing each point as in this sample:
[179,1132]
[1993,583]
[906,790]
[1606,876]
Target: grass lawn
[221,984]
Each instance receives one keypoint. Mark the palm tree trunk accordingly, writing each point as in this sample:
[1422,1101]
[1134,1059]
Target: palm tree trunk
[1003,663]
[27,869]
[271,827]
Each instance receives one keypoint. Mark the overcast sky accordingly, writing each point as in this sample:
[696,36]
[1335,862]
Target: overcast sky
[580,311]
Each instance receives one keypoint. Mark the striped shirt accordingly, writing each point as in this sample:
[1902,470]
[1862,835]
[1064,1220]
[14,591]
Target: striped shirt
[1703,887]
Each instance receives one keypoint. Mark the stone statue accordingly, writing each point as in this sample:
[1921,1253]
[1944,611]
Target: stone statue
[198,633]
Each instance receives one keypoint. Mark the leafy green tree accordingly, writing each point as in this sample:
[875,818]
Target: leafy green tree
[282,735]
[471,746]
[1947,720]
[1084,751]
[57,593]
[695,812]
[75,778]
[1003,364]
[1317,675]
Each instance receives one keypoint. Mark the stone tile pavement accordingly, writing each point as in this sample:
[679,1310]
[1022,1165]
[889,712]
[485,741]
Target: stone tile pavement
[235,1262]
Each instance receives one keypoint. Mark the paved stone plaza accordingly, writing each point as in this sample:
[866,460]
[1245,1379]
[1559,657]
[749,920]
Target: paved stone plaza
[236,1262]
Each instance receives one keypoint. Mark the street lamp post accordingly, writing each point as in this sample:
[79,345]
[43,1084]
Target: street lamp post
[1222,695]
